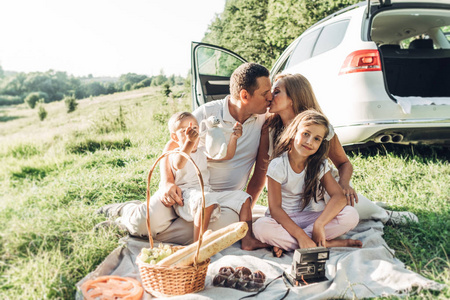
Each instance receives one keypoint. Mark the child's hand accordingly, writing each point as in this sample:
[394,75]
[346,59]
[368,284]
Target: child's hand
[237,130]
[318,235]
[306,242]
[191,133]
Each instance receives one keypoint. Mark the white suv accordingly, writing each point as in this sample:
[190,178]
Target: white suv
[380,70]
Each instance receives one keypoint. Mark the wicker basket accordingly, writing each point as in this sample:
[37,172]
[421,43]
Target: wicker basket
[166,281]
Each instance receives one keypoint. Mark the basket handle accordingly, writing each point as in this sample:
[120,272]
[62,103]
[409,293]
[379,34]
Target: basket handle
[202,213]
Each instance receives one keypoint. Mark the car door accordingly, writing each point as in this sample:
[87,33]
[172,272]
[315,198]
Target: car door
[211,69]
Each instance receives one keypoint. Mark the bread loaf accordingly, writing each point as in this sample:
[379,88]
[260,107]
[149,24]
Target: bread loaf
[212,244]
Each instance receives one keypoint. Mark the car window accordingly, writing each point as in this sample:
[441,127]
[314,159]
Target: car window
[304,48]
[215,62]
[330,37]
[280,66]
[446,31]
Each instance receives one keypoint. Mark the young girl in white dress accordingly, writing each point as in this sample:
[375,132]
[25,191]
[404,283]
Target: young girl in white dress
[299,175]
[183,129]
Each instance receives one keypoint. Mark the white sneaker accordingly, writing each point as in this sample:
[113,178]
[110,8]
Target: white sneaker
[401,217]
[381,204]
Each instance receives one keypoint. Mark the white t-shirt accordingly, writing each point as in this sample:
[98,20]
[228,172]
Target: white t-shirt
[232,174]
[292,185]
[187,176]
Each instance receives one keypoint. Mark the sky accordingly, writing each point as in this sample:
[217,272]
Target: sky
[102,37]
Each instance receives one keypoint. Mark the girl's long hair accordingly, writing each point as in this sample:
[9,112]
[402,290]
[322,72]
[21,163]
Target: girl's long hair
[312,187]
[301,92]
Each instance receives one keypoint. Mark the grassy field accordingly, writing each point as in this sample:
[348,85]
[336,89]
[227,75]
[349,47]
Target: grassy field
[54,175]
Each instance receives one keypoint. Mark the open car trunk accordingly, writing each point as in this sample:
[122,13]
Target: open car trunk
[416,72]
[414,46]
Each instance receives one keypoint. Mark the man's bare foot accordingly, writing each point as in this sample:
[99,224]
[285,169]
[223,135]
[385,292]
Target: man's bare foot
[277,252]
[250,243]
[344,243]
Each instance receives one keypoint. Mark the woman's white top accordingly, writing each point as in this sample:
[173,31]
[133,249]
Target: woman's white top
[292,184]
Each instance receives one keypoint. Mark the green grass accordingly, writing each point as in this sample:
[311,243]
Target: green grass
[54,175]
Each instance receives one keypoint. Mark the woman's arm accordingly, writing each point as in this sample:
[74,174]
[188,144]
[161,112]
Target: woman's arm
[258,180]
[277,212]
[337,202]
[345,169]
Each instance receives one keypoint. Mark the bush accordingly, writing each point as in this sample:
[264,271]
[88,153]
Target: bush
[71,103]
[166,89]
[91,145]
[10,100]
[31,99]
[42,113]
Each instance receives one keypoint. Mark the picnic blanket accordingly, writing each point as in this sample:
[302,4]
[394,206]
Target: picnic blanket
[352,273]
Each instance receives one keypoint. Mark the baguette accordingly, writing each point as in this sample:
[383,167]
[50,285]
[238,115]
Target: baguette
[227,236]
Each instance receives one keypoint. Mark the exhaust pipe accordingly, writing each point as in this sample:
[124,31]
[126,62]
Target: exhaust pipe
[397,138]
[383,138]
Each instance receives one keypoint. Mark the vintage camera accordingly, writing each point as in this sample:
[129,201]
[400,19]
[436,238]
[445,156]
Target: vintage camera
[308,266]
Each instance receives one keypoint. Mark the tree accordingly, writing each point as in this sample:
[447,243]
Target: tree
[127,86]
[110,88]
[160,79]
[242,29]
[71,103]
[260,31]
[94,88]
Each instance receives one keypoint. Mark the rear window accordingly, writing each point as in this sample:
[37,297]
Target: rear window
[330,37]
[304,48]
[446,31]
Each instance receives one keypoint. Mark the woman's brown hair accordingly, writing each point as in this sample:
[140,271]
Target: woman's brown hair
[303,98]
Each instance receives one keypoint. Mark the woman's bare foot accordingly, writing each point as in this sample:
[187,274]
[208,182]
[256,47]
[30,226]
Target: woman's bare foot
[277,252]
[250,243]
[344,243]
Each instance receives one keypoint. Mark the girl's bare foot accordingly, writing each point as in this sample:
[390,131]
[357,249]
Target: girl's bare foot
[277,252]
[344,243]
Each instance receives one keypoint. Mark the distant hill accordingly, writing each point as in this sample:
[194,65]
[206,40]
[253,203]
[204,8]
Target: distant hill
[84,79]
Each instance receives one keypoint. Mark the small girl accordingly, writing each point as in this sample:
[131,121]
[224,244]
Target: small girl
[183,129]
[298,175]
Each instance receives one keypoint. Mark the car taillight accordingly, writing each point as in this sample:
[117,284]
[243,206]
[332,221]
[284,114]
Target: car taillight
[361,61]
